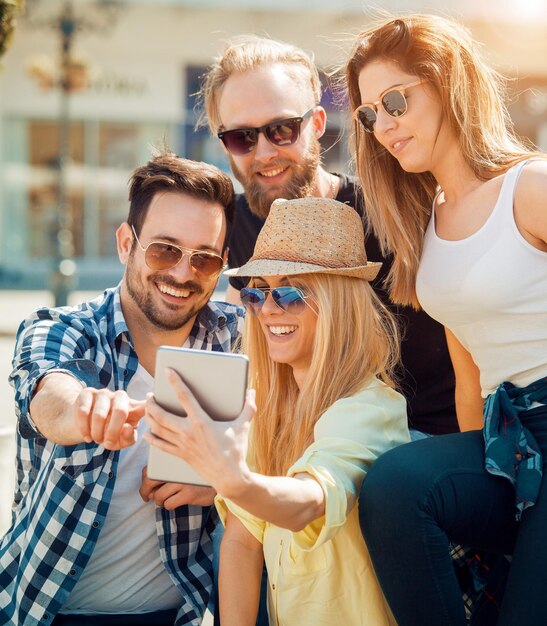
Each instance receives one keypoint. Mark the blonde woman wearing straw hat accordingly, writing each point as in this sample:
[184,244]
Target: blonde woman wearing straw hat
[321,348]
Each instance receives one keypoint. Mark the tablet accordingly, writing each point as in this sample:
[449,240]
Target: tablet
[219,382]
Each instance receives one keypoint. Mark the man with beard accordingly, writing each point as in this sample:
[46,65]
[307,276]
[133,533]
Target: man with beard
[84,547]
[260,96]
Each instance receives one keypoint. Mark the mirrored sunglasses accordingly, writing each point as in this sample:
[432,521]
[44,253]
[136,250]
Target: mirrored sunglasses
[281,133]
[160,256]
[393,101]
[290,299]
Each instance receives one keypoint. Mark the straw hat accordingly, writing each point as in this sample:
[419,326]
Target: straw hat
[310,235]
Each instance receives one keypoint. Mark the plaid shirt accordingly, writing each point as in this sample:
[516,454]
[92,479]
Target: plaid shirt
[63,492]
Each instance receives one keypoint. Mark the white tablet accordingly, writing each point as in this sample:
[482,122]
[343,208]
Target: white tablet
[217,379]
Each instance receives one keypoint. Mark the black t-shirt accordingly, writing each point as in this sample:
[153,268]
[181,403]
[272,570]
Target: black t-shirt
[426,377]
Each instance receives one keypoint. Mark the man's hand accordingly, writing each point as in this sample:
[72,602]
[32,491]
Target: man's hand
[172,495]
[67,413]
[108,417]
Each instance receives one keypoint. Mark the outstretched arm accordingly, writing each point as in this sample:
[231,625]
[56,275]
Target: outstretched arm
[241,564]
[219,456]
[51,408]
[68,413]
[57,386]
[287,502]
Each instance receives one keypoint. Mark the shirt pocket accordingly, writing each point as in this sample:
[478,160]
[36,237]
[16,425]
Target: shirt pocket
[303,563]
[66,510]
[84,464]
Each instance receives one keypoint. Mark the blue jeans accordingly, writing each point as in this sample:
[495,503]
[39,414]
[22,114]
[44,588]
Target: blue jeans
[420,496]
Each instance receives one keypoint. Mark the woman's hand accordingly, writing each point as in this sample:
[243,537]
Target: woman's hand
[216,450]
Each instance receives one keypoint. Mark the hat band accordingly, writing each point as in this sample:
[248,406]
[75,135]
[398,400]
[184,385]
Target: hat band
[310,261]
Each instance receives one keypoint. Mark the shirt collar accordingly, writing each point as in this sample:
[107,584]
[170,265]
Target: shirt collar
[120,325]
[211,317]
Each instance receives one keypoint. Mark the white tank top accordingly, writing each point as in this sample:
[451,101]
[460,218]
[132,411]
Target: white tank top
[490,290]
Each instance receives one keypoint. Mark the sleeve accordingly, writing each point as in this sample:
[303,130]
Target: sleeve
[348,438]
[47,343]
[253,524]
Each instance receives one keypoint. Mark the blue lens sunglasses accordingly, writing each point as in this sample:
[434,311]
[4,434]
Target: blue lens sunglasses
[290,299]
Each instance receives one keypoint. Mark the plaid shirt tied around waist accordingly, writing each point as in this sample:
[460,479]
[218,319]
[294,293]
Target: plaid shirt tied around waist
[63,493]
[511,450]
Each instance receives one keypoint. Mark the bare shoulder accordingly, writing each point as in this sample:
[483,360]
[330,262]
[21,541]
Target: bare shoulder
[531,203]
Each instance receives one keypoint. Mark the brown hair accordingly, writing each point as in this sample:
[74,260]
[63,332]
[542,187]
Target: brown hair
[167,172]
[246,53]
[472,96]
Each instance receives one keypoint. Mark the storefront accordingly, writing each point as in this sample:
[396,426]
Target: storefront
[145,74]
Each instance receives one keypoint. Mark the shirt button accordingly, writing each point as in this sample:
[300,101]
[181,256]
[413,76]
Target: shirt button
[125,372]
[273,586]
[110,475]
[72,572]
[46,616]
[95,524]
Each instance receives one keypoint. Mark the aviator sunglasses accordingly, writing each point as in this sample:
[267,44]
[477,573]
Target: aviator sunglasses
[164,256]
[290,299]
[281,133]
[393,101]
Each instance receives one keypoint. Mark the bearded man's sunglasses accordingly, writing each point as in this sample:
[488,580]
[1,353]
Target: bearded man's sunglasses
[290,299]
[159,256]
[393,101]
[281,133]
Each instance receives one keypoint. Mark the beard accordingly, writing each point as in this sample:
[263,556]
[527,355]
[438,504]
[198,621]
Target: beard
[157,316]
[300,185]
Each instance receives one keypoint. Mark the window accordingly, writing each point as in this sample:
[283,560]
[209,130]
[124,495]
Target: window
[101,158]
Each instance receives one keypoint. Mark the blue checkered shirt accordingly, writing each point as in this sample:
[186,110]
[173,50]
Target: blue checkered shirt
[62,493]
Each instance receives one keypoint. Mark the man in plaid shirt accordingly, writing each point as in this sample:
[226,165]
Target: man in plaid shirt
[93,540]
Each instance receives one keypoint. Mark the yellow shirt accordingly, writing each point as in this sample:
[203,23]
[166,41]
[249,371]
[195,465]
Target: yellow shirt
[322,575]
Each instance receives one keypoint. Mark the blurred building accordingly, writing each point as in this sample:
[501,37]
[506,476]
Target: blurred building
[143,73]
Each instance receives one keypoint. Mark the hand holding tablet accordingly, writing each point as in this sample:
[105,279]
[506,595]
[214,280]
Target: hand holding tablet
[208,388]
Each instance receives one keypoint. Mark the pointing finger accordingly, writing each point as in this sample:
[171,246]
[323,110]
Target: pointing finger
[128,436]
[137,409]
[118,415]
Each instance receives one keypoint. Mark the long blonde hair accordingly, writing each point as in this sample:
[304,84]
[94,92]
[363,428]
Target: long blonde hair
[356,339]
[472,95]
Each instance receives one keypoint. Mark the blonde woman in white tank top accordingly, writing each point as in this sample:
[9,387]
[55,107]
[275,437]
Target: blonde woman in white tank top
[461,203]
